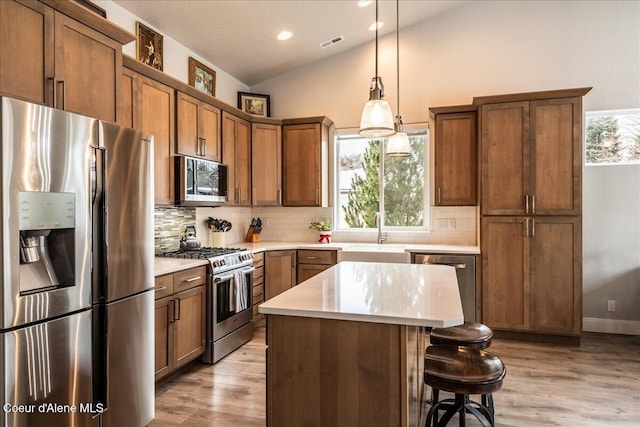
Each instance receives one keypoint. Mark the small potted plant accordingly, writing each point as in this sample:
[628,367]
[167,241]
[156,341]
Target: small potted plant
[323,227]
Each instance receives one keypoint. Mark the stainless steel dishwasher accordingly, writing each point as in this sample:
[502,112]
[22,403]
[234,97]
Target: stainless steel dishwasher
[465,266]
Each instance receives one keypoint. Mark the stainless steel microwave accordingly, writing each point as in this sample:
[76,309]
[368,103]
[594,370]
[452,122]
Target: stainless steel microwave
[200,182]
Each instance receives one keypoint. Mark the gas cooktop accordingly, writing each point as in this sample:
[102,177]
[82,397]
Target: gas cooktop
[220,259]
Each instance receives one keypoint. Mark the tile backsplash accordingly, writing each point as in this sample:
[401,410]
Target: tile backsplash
[169,225]
[449,225]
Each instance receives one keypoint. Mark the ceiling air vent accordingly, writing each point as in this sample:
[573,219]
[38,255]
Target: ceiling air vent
[333,41]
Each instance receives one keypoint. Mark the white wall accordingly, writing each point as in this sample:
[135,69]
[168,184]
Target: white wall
[175,56]
[490,48]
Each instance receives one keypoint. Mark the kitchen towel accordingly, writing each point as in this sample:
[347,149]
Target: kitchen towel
[240,287]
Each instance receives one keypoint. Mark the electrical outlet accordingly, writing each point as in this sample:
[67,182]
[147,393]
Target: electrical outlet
[611,305]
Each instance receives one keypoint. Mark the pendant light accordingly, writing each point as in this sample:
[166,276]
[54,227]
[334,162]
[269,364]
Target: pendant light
[398,145]
[376,119]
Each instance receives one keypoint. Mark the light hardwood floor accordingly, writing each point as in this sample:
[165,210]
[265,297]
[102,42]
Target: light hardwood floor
[596,384]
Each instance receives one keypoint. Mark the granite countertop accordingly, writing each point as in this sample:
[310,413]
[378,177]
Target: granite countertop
[404,294]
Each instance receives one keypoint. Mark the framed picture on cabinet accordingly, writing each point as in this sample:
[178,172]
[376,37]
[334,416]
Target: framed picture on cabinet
[202,77]
[255,103]
[149,46]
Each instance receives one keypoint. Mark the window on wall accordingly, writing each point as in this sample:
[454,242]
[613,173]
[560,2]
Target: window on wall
[612,137]
[369,182]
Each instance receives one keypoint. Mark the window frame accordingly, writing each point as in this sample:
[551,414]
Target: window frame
[344,134]
[604,113]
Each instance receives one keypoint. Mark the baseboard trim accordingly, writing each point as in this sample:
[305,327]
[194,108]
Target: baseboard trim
[611,326]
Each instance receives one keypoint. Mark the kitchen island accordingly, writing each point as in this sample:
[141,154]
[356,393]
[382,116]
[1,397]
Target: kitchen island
[345,347]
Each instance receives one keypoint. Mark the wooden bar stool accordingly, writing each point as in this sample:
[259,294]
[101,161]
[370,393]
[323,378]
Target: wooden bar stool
[468,334]
[462,371]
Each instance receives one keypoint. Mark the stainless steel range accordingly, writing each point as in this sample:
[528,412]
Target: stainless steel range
[229,298]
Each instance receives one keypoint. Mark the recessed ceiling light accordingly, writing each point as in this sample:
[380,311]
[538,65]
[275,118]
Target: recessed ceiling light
[372,27]
[364,3]
[285,35]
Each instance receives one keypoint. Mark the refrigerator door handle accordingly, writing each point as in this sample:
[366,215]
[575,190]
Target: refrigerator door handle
[98,212]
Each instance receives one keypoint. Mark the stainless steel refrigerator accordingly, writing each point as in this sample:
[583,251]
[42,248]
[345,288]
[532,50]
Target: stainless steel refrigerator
[76,264]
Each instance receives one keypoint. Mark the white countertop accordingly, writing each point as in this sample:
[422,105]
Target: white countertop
[402,294]
[406,247]
[171,265]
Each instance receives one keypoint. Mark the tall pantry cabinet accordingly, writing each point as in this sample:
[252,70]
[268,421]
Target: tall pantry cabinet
[531,214]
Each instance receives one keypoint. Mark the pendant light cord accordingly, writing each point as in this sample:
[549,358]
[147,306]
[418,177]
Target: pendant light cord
[376,24]
[398,57]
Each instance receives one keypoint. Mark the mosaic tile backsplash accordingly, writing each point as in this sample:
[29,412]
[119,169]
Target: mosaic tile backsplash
[169,227]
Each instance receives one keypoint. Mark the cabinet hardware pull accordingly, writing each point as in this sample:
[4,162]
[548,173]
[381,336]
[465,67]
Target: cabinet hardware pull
[317,196]
[161,288]
[53,86]
[204,146]
[193,279]
[279,196]
[311,257]
[64,94]
[177,317]
[533,203]
[533,227]
[526,203]
[439,195]
[526,227]
[172,311]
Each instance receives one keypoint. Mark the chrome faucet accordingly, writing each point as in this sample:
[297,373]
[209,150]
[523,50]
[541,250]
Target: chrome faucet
[378,223]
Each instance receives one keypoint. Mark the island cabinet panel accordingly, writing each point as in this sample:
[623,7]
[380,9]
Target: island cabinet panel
[266,164]
[280,272]
[236,153]
[198,128]
[323,372]
[455,153]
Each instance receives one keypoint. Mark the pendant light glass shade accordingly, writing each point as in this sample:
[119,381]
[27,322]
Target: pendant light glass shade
[399,145]
[377,118]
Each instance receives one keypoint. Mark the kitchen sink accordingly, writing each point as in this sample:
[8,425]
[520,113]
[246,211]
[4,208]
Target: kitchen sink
[371,252]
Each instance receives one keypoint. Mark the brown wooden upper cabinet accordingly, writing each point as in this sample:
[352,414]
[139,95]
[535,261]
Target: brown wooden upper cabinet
[455,156]
[305,161]
[236,152]
[266,164]
[198,128]
[148,105]
[531,157]
[52,59]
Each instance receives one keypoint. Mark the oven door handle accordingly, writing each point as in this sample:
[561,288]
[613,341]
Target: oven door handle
[230,276]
